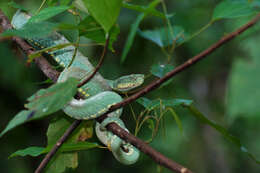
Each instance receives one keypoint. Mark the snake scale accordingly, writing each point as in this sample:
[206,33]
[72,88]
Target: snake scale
[99,92]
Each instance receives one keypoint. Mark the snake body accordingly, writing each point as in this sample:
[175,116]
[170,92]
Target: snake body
[98,93]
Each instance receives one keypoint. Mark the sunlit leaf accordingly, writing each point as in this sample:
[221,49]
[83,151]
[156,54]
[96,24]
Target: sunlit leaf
[105,12]
[232,9]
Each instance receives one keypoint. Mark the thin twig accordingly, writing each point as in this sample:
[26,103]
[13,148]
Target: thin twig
[98,66]
[137,142]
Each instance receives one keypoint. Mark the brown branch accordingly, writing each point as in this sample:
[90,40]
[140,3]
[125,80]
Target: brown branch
[41,62]
[159,158]
[185,65]
[99,64]
[58,144]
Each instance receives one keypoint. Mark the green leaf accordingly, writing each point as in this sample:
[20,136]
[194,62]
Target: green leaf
[131,36]
[104,11]
[68,159]
[134,27]
[144,9]
[79,4]
[44,102]
[90,29]
[163,36]
[177,119]
[152,104]
[32,30]
[160,70]
[17,6]
[47,101]
[232,9]
[36,151]
[47,13]
[243,86]
[30,151]
[202,118]
[19,119]
[52,2]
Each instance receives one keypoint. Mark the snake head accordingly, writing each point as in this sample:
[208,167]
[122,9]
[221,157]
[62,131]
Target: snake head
[127,83]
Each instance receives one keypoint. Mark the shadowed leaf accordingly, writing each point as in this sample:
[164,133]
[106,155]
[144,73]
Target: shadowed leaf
[105,12]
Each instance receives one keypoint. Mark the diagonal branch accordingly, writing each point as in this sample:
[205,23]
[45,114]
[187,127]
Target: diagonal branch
[159,158]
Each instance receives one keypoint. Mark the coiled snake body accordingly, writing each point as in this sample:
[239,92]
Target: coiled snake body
[98,93]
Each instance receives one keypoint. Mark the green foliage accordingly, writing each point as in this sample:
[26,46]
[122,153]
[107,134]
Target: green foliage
[131,36]
[48,13]
[164,36]
[30,151]
[160,70]
[234,140]
[243,96]
[152,104]
[68,158]
[171,103]
[105,12]
[32,30]
[134,28]
[44,103]
[36,151]
[144,9]
[229,9]
[17,6]
[90,29]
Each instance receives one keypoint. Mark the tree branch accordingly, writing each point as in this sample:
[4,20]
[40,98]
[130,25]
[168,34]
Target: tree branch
[58,144]
[41,62]
[159,158]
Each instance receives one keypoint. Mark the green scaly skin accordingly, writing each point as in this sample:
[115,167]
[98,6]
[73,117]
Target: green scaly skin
[98,95]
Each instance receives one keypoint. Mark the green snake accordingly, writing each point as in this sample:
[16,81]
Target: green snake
[99,93]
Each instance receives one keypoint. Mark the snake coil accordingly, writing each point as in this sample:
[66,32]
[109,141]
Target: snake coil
[98,95]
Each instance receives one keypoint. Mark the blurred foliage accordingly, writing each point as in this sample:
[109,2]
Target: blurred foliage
[224,87]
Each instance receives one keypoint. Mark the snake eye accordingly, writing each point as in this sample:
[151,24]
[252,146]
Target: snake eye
[124,148]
